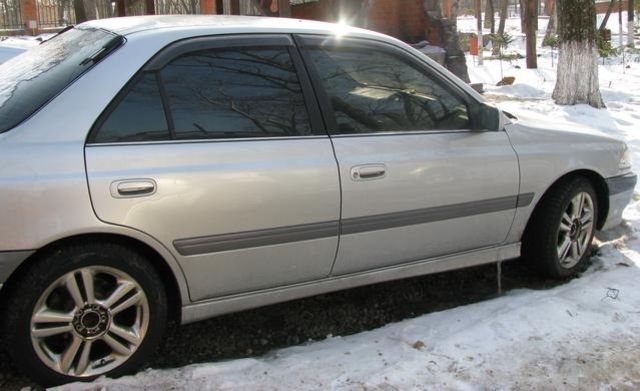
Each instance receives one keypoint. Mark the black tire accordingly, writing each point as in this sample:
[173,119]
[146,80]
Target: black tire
[540,241]
[26,292]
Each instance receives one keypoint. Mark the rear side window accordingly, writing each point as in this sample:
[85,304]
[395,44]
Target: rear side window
[235,93]
[31,79]
[213,94]
[376,91]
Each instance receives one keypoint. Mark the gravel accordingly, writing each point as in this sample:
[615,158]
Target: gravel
[256,332]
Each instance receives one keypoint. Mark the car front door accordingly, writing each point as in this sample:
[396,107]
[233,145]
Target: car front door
[217,150]
[417,182]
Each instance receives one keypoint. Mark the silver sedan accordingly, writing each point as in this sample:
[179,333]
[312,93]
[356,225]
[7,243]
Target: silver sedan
[157,168]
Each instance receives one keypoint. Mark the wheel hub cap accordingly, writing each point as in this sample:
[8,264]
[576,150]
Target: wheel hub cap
[576,228]
[91,321]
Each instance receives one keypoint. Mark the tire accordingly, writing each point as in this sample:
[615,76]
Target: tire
[111,331]
[555,222]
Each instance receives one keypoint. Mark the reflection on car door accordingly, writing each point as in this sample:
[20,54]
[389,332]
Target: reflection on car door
[416,181]
[217,151]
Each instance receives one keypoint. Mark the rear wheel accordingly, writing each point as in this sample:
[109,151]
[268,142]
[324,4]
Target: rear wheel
[558,239]
[84,311]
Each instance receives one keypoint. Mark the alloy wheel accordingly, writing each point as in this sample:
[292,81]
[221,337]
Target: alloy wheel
[89,321]
[575,230]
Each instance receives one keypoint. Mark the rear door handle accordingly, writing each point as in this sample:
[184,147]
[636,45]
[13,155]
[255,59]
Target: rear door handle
[366,172]
[128,188]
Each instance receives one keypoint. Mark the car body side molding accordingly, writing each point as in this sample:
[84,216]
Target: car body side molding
[295,233]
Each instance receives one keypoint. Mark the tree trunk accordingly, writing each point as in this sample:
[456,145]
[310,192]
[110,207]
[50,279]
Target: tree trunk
[90,9]
[504,10]
[620,23]
[630,28]
[478,6]
[523,15]
[453,15]
[78,8]
[551,26]
[284,8]
[531,16]
[489,16]
[577,80]
[603,25]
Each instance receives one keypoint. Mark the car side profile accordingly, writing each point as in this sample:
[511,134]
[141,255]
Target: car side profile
[182,167]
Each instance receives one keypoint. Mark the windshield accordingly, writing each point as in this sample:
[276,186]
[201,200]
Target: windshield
[32,78]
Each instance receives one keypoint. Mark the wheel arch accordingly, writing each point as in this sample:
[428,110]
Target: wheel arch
[175,289]
[598,183]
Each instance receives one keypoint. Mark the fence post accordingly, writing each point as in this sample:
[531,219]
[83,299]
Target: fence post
[29,14]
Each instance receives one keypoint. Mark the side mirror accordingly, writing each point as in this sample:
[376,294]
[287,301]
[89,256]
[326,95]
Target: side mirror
[489,117]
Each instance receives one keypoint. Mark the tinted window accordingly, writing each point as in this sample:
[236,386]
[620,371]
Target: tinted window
[30,79]
[239,92]
[374,91]
[138,117]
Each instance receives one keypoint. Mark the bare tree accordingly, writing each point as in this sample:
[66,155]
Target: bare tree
[531,19]
[577,80]
[489,16]
[78,9]
[90,9]
[630,28]
[478,9]
[504,10]
[603,25]
[552,25]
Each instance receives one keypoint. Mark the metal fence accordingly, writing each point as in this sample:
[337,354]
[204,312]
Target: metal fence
[10,16]
[55,13]
[60,13]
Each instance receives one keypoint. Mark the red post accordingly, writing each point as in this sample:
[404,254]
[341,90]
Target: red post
[473,45]
[208,7]
[29,14]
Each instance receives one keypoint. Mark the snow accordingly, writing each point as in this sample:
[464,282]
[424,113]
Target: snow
[580,335]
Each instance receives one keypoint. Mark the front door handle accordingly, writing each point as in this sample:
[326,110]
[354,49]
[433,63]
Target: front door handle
[128,188]
[365,172]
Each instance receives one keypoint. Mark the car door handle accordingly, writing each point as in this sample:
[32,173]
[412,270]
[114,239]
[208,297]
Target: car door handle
[133,188]
[366,172]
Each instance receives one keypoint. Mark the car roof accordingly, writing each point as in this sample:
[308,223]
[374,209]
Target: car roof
[225,23]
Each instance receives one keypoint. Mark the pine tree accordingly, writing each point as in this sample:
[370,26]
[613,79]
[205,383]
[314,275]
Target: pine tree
[577,80]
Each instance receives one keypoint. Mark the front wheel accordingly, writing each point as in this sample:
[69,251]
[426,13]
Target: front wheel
[558,239]
[84,311]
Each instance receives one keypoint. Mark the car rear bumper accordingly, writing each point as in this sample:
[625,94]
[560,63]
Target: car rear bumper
[620,192]
[9,262]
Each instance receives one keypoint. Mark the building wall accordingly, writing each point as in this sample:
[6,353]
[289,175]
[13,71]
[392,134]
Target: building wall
[402,19]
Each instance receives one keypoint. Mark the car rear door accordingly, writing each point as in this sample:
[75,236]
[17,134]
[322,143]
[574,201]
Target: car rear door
[417,182]
[217,150]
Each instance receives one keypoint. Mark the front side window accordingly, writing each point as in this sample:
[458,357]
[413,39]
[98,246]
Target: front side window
[376,91]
